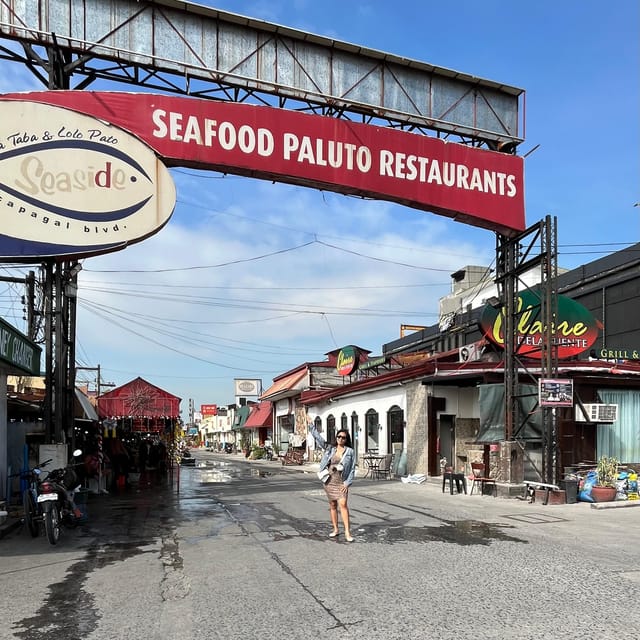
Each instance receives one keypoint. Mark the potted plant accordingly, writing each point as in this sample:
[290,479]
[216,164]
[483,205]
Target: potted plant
[605,488]
[244,446]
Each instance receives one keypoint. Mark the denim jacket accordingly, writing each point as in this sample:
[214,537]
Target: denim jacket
[348,459]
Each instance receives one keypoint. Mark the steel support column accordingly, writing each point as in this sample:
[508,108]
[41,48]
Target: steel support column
[534,248]
[549,352]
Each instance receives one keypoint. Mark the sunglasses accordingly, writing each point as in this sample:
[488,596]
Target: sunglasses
[341,437]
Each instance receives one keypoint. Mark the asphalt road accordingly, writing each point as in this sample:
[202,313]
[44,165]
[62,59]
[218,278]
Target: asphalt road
[241,550]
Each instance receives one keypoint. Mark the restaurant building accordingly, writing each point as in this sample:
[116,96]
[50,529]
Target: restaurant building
[437,394]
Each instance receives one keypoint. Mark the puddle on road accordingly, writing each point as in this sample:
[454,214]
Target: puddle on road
[268,518]
[463,533]
[219,472]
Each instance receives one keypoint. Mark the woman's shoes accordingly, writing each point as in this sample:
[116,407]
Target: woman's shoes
[334,534]
[348,538]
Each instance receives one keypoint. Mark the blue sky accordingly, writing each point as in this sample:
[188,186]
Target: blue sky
[263,277]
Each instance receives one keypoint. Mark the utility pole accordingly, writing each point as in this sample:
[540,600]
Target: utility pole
[99,383]
[28,301]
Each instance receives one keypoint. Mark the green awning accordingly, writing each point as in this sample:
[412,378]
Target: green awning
[241,417]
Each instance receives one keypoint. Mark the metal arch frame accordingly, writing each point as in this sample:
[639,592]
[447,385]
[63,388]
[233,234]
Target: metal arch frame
[65,55]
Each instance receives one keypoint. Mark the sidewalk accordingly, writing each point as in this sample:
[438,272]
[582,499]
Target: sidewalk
[505,491]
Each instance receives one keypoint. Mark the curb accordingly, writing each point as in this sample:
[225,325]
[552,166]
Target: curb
[616,504]
[11,524]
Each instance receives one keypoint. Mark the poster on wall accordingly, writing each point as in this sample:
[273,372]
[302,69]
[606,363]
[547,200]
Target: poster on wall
[553,392]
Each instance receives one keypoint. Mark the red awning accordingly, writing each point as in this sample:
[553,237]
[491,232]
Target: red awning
[286,383]
[260,416]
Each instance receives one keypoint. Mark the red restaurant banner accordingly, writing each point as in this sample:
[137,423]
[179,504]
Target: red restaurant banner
[208,410]
[473,186]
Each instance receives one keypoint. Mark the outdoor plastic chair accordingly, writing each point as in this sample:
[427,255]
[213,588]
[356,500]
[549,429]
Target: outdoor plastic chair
[479,477]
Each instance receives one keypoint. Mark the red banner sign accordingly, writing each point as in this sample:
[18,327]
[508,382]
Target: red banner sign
[474,186]
[208,410]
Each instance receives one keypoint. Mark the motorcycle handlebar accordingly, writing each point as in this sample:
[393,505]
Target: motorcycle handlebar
[25,473]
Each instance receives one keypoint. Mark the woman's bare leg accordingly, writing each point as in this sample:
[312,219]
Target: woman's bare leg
[333,510]
[344,514]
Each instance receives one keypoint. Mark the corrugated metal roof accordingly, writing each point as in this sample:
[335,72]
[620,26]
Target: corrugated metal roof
[287,383]
[87,407]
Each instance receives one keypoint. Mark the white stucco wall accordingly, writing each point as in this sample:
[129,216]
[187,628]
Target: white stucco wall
[461,402]
[380,400]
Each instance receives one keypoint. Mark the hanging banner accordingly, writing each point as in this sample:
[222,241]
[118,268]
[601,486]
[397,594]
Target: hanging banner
[473,186]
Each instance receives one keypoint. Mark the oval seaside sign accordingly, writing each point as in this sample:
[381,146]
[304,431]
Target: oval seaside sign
[72,185]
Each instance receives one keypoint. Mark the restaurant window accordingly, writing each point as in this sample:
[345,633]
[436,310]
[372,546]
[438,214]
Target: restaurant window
[354,432]
[285,429]
[331,428]
[395,428]
[372,430]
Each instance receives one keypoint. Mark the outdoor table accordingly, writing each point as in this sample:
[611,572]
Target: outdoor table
[372,462]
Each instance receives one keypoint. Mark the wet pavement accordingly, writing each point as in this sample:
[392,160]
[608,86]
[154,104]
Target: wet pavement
[261,530]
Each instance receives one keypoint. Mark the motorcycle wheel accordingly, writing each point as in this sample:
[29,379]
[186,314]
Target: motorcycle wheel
[52,523]
[30,511]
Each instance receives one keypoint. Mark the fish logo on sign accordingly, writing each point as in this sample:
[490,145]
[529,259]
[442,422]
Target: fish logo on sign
[72,185]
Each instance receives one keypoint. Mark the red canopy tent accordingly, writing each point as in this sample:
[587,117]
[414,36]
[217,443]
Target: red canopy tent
[148,406]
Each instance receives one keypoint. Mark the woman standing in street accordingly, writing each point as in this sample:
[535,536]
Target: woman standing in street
[339,462]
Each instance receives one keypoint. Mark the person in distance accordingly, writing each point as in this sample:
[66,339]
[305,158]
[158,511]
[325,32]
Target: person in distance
[337,470]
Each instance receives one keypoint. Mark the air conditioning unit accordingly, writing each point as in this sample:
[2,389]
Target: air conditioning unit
[598,413]
[469,353]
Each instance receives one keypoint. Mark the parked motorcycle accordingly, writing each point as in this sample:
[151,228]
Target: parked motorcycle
[186,458]
[33,514]
[56,500]
[268,452]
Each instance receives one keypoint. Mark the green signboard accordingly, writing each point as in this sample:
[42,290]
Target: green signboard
[16,350]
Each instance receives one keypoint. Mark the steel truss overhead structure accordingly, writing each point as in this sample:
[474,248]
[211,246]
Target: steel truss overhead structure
[182,48]
[188,49]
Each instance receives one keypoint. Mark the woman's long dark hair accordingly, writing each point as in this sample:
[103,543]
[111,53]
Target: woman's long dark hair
[347,442]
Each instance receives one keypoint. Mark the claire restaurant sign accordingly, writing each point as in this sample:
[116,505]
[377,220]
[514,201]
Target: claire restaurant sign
[575,331]
[71,185]
[474,186]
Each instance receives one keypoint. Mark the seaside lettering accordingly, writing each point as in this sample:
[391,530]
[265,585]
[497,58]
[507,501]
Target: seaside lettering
[37,179]
[527,328]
